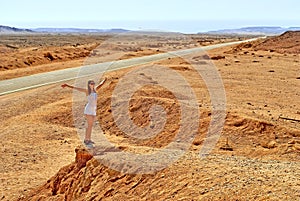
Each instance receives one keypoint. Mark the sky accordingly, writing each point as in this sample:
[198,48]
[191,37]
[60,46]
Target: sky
[187,16]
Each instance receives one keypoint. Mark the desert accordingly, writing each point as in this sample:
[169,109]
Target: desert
[256,156]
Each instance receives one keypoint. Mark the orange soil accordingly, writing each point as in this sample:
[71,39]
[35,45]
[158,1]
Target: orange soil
[264,164]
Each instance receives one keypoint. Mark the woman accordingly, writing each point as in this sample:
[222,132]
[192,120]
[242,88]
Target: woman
[91,106]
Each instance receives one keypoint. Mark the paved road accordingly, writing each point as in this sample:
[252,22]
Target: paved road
[42,79]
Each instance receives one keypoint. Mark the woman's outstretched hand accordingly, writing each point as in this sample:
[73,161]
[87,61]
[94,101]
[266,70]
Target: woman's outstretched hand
[103,80]
[101,83]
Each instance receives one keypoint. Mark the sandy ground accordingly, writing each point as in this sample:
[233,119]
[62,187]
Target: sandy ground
[261,89]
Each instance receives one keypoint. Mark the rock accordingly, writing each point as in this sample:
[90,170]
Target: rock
[291,142]
[218,57]
[297,147]
[271,144]
[205,57]
[247,45]
[82,156]
[227,147]
[49,56]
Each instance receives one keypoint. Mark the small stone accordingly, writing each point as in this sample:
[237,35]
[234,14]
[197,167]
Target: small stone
[272,144]
[291,142]
[218,57]
[297,147]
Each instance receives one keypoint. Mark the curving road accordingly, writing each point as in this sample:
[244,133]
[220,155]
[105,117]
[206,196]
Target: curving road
[42,79]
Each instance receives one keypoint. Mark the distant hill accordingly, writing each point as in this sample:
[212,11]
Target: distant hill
[7,29]
[288,42]
[260,30]
[78,30]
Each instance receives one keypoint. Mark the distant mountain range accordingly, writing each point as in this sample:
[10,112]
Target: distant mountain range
[78,30]
[7,29]
[259,30]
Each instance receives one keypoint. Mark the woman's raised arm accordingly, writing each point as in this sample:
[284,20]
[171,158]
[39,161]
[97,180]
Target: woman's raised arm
[72,87]
[100,84]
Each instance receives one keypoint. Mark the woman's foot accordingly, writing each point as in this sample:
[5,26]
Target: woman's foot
[88,142]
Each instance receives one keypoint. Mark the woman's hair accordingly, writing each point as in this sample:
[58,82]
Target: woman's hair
[88,86]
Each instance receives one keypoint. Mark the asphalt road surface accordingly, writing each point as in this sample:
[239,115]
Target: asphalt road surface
[42,79]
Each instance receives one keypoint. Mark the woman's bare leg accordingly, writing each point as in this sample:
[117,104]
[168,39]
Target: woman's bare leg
[88,132]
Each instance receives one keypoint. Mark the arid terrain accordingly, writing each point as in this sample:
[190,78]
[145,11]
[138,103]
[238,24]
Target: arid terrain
[29,54]
[257,157]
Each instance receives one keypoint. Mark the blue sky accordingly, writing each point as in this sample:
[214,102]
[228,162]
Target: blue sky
[169,15]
